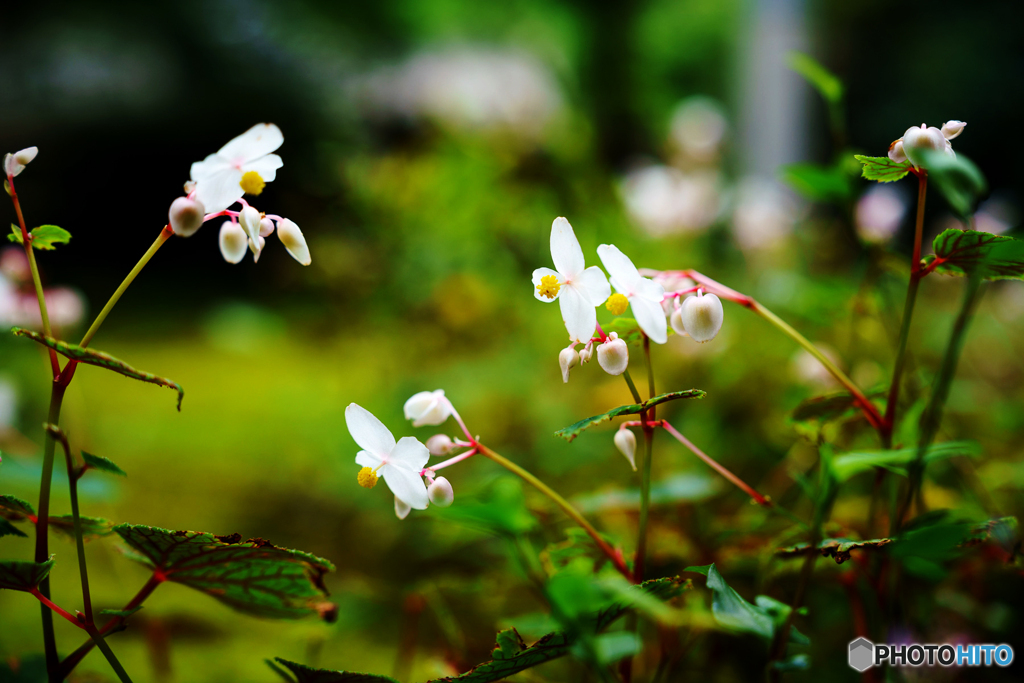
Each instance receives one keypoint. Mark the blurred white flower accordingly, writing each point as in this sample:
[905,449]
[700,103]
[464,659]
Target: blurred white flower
[185,216]
[440,444]
[14,264]
[764,214]
[644,294]
[580,289]
[16,163]
[233,242]
[698,128]
[440,492]
[427,408]
[662,200]
[918,141]
[242,166]
[399,464]
[996,215]
[879,213]
[810,371]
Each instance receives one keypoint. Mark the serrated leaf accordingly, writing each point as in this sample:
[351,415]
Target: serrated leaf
[98,462]
[15,509]
[49,236]
[816,182]
[734,613]
[572,431]
[92,527]
[254,576]
[882,169]
[305,674]
[23,576]
[823,80]
[957,179]
[836,548]
[122,613]
[828,407]
[966,252]
[553,645]
[8,529]
[851,464]
[99,359]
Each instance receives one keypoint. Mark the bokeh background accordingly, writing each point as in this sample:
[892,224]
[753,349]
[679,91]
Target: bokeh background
[428,146]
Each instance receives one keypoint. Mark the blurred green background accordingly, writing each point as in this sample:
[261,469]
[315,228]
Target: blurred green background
[428,146]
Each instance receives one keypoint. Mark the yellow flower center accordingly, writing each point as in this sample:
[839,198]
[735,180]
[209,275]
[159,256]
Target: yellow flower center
[549,286]
[252,183]
[617,303]
[367,478]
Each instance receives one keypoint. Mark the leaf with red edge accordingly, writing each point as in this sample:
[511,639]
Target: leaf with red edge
[253,576]
[967,252]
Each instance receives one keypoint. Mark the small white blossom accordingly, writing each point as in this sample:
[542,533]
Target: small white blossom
[918,142]
[613,355]
[441,493]
[625,441]
[243,166]
[16,163]
[427,408]
[399,464]
[951,129]
[644,294]
[440,444]
[702,316]
[292,239]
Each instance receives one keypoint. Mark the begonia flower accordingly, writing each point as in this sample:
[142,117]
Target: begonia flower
[399,464]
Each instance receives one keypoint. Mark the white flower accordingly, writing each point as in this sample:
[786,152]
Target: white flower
[951,129]
[613,355]
[399,463]
[580,290]
[567,360]
[16,163]
[292,239]
[243,166]
[185,216]
[702,316]
[917,143]
[644,294]
[233,242]
[441,493]
[625,441]
[427,408]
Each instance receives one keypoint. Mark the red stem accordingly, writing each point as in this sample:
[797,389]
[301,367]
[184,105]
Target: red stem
[56,608]
[761,500]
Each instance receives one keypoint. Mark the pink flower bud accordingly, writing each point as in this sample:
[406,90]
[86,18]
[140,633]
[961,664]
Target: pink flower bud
[186,216]
[613,355]
[266,227]
[439,444]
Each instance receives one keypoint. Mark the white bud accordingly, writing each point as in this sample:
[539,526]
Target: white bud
[896,152]
[950,129]
[232,242]
[439,444]
[613,355]
[625,441]
[266,227]
[26,155]
[702,316]
[250,219]
[189,186]
[186,216]
[567,360]
[676,320]
[401,509]
[427,408]
[441,493]
[257,248]
[585,353]
[918,142]
[292,239]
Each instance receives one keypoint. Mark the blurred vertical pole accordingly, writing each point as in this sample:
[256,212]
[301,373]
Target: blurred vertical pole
[773,98]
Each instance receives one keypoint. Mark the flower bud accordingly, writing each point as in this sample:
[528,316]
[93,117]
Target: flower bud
[951,129]
[439,444]
[585,353]
[625,441]
[292,239]
[26,155]
[918,142]
[702,316]
[257,248]
[613,355]
[232,242]
[567,360]
[896,152]
[15,163]
[676,320]
[427,408]
[186,216]
[250,219]
[266,227]
[401,509]
[441,493]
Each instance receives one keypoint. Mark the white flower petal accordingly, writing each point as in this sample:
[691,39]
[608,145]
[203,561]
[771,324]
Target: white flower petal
[261,139]
[401,509]
[367,459]
[647,288]
[233,242]
[593,286]
[292,239]
[369,432]
[578,314]
[410,454]
[565,249]
[220,190]
[407,485]
[540,273]
[266,166]
[210,166]
[621,271]
[651,318]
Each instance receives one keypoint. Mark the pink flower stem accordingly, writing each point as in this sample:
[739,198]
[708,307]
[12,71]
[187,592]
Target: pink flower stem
[59,610]
[761,500]
[449,462]
[458,418]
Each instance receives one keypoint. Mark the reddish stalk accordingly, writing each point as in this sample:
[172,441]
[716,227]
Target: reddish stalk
[761,500]
[56,608]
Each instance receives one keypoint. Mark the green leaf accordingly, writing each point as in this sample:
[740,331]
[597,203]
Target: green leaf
[823,80]
[254,576]
[15,509]
[816,182]
[882,169]
[23,576]
[305,674]
[957,179]
[851,464]
[99,359]
[965,252]
[837,548]
[734,613]
[121,613]
[8,529]
[572,431]
[828,407]
[44,237]
[15,235]
[92,527]
[98,462]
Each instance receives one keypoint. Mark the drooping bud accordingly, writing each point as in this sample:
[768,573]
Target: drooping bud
[257,248]
[919,142]
[613,355]
[16,163]
[232,242]
[702,316]
[567,360]
[427,408]
[896,152]
[401,509]
[585,353]
[266,227]
[250,219]
[625,441]
[951,129]
[439,444]
[441,493]
[186,216]
[676,320]
[292,239]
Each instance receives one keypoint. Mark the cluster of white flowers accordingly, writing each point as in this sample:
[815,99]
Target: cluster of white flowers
[916,143]
[243,166]
[580,290]
[402,464]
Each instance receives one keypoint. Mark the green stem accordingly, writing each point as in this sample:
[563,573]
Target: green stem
[566,506]
[57,433]
[108,653]
[632,387]
[940,392]
[165,234]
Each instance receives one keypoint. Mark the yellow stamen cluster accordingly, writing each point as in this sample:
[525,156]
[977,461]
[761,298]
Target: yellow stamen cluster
[252,183]
[617,303]
[367,478]
[549,286]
